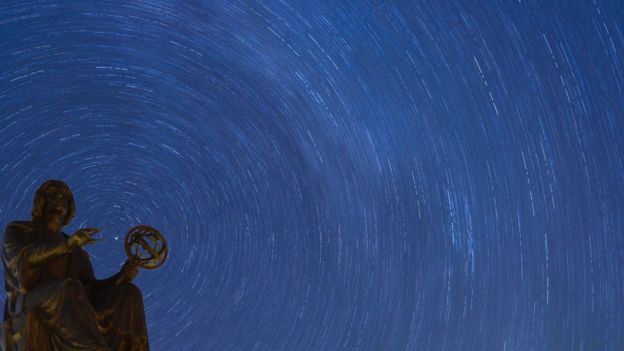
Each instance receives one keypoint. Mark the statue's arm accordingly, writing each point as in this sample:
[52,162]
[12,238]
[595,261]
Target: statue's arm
[42,254]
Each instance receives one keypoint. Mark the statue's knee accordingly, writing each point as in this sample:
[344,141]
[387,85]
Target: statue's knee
[132,290]
[71,284]
[73,287]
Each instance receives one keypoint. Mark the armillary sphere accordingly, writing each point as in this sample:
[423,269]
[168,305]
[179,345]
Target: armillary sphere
[146,246]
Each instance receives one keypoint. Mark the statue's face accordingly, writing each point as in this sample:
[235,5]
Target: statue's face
[57,200]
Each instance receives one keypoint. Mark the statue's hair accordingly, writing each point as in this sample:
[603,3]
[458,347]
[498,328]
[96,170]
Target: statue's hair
[39,201]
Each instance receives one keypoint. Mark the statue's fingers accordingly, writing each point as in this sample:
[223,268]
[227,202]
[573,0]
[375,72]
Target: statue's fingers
[92,231]
[86,232]
[89,234]
[85,235]
[89,240]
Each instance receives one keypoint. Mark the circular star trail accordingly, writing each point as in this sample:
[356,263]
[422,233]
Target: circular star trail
[344,175]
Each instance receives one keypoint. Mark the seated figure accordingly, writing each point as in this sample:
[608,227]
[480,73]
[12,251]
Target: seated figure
[54,302]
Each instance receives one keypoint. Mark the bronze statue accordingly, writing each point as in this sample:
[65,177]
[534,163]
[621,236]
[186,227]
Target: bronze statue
[54,302]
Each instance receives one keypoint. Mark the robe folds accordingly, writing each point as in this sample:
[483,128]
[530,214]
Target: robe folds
[60,306]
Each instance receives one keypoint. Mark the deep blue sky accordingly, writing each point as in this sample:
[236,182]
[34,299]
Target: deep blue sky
[336,175]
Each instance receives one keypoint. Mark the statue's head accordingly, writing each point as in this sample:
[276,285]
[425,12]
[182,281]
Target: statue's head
[54,205]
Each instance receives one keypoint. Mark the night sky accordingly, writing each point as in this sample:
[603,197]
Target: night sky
[335,175]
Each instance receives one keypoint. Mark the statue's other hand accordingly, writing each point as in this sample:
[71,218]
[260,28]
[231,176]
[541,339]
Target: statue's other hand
[129,271]
[83,237]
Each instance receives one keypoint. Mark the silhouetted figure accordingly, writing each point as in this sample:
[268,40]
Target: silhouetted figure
[54,302]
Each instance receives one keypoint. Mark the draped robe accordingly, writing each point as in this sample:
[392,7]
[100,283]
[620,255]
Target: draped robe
[61,306]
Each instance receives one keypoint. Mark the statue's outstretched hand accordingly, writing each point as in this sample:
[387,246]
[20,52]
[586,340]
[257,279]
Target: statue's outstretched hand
[82,237]
[129,271]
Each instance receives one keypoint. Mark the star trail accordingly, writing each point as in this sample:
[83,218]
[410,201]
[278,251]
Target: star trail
[335,175]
